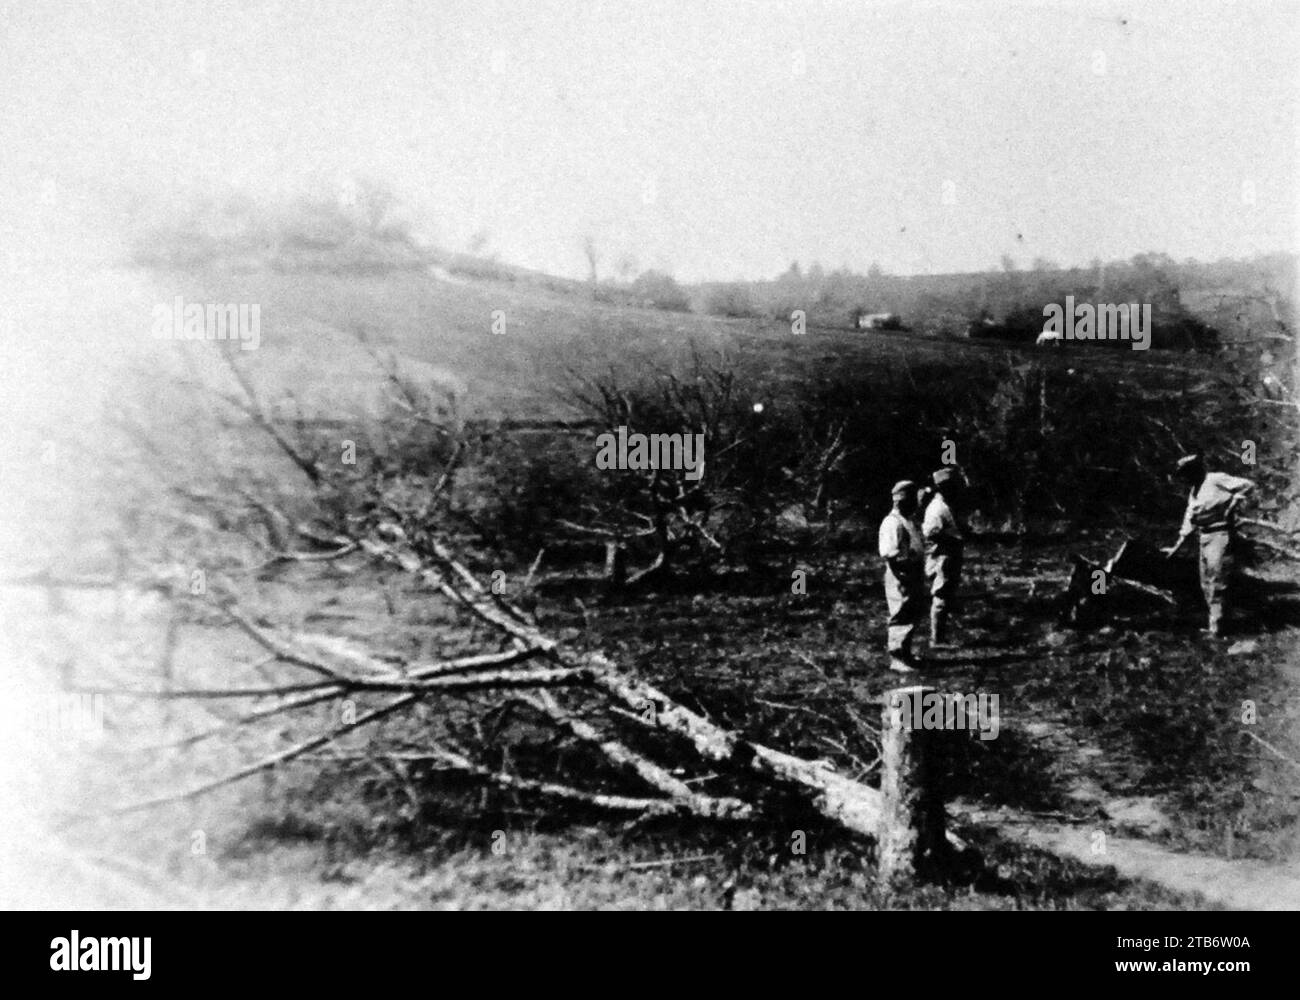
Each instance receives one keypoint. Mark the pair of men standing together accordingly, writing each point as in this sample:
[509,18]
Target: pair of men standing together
[911,554]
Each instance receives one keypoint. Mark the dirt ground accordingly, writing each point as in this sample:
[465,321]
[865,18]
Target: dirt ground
[1122,774]
[1152,767]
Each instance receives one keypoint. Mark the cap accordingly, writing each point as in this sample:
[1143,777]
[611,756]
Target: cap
[947,474]
[902,488]
[1189,460]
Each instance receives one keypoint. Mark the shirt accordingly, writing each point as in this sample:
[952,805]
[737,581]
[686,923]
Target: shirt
[1207,506]
[899,538]
[940,528]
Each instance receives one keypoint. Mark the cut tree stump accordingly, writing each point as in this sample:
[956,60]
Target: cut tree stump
[911,834]
[1136,566]
[615,564]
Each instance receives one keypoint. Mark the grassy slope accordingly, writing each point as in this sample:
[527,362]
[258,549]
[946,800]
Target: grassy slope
[1090,718]
[310,318]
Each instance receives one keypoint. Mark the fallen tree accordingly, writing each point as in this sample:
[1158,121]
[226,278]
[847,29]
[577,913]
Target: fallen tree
[581,693]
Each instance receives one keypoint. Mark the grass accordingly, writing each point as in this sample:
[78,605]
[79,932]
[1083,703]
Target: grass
[1139,709]
[309,323]
[1142,708]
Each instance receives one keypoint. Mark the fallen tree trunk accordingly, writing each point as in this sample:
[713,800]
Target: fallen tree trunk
[536,667]
[1281,550]
[847,803]
[649,772]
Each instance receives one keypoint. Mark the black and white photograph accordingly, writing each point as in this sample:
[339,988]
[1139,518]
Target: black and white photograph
[649,455]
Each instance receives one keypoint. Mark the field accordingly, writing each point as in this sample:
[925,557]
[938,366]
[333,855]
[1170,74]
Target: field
[1122,762]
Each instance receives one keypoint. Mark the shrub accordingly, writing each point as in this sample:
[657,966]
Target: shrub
[661,291]
[732,300]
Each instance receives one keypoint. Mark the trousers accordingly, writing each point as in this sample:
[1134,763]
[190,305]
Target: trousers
[1216,565]
[944,572]
[905,598]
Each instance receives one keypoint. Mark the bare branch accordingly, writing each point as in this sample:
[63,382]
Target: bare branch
[275,760]
[649,772]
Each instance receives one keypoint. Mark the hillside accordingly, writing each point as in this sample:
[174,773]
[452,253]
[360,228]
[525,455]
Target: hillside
[313,325]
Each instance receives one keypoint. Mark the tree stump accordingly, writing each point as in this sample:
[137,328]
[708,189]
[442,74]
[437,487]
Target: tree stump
[615,564]
[912,822]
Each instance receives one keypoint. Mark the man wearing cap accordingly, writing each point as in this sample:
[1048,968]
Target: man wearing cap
[1212,510]
[944,544]
[900,547]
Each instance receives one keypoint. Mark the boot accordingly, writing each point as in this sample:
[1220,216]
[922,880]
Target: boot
[900,666]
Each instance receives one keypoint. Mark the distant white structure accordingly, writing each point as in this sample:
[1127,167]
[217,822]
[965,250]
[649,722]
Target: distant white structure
[879,321]
[1049,337]
[442,274]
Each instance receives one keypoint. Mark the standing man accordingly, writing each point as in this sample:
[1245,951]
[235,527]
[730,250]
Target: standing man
[944,544]
[900,547]
[1212,510]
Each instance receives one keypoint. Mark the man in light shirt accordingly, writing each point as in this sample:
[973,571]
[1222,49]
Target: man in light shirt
[1211,510]
[944,545]
[900,547]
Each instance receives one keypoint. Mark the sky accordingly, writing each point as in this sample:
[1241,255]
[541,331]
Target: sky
[714,140]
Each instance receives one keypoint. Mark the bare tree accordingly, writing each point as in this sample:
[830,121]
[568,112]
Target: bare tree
[590,253]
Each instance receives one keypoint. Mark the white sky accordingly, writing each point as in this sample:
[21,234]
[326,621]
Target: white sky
[683,132]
